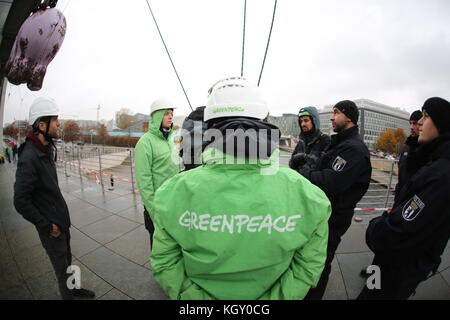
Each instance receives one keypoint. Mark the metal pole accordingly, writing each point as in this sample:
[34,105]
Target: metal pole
[100,167]
[64,159]
[79,165]
[71,157]
[389,186]
[131,167]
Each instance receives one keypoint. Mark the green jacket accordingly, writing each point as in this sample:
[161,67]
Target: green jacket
[230,232]
[156,160]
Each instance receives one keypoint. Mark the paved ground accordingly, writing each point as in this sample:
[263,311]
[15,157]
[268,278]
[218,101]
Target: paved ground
[111,246]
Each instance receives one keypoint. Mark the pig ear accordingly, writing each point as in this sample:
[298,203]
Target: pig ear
[37,43]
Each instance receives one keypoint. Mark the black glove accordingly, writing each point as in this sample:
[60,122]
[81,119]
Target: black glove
[297,161]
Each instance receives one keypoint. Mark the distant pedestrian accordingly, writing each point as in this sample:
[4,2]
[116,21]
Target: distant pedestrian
[14,152]
[7,153]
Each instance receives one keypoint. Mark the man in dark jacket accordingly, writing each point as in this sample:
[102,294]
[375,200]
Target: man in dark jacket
[192,143]
[409,241]
[312,141]
[343,173]
[37,196]
[410,146]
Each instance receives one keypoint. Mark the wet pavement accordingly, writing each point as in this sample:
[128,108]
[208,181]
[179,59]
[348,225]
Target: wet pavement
[111,247]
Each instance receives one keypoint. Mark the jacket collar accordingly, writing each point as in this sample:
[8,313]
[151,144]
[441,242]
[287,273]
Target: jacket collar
[435,149]
[45,150]
[214,157]
[442,147]
[345,134]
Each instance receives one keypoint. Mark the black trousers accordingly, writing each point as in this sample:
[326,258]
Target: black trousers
[335,234]
[60,254]
[149,226]
[398,282]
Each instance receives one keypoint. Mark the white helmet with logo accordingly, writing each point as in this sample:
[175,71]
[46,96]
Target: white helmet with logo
[162,104]
[42,107]
[235,97]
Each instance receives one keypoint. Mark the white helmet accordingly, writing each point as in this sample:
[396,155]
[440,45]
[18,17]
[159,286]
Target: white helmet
[161,104]
[42,107]
[235,97]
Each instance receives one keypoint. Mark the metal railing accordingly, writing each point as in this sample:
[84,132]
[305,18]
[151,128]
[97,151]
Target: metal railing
[107,166]
[380,195]
[112,167]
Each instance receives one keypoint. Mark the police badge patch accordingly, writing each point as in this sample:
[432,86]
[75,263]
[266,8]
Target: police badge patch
[412,208]
[338,164]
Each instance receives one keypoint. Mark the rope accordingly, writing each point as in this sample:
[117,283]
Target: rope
[268,41]
[168,54]
[243,39]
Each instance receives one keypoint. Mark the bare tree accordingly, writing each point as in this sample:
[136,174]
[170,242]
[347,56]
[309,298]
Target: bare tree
[71,131]
[124,118]
[102,132]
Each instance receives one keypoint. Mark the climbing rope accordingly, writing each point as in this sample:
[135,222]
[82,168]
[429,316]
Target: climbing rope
[168,54]
[268,41]
[243,39]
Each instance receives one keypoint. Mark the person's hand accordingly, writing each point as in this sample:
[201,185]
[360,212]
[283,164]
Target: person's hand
[55,233]
[297,161]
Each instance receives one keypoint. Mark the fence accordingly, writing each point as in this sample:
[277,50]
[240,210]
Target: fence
[380,195]
[108,166]
[111,167]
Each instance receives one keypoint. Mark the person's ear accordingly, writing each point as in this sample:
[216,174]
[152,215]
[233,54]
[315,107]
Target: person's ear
[42,126]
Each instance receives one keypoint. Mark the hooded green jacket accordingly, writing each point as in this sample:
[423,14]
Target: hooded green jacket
[235,231]
[156,160]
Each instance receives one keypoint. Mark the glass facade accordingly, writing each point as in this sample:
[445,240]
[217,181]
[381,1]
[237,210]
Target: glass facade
[375,123]
[287,123]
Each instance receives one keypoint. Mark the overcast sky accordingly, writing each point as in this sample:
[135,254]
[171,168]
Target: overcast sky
[321,52]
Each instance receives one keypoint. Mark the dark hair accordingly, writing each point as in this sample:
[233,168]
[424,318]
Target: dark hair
[45,119]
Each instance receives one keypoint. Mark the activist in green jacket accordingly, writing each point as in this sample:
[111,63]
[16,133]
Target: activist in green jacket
[239,228]
[156,159]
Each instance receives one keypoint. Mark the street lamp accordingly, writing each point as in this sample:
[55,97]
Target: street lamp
[92,132]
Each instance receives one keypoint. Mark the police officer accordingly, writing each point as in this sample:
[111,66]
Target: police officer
[410,146]
[409,241]
[312,141]
[343,173]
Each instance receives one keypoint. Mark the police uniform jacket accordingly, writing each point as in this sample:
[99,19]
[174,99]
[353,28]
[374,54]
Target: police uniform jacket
[343,173]
[405,170]
[417,230]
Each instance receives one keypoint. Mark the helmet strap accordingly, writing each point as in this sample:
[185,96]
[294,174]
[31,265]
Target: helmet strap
[45,134]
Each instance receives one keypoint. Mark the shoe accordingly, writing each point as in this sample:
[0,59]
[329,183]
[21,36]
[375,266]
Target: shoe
[82,293]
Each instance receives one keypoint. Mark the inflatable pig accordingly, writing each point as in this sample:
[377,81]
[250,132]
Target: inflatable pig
[37,43]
